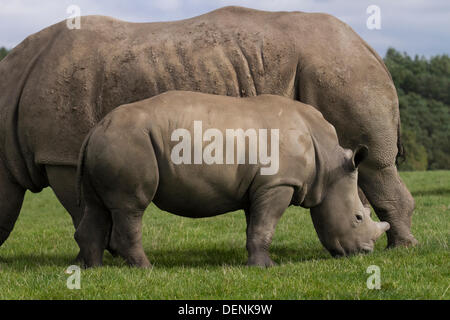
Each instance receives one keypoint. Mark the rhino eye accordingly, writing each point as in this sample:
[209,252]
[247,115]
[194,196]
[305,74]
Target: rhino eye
[359,217]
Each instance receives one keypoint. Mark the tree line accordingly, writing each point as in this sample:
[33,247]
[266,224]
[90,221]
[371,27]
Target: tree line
[423,87]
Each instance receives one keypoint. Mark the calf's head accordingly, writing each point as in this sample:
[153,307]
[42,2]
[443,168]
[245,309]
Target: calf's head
[343,224]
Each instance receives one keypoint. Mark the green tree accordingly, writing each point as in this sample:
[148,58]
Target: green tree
[416,157]
[3,52]
[423,87]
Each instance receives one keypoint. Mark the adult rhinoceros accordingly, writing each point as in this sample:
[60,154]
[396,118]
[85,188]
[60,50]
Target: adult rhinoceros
[58,83]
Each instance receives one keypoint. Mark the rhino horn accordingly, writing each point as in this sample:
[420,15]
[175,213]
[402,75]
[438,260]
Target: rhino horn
[381,227]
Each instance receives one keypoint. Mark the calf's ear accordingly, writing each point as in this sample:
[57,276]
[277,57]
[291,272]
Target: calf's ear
[359,154]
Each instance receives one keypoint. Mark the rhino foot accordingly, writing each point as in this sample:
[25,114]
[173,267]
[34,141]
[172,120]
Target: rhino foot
[139,262]
[112,251]
[408,241]
[260,261]
[79,259]
[88,261]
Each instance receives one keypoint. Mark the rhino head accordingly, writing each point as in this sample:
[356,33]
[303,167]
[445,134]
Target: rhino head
[343,224]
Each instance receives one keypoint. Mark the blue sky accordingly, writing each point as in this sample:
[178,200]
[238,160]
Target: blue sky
[416,26]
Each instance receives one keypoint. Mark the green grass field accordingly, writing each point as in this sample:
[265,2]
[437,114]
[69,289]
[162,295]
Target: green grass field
[205,259]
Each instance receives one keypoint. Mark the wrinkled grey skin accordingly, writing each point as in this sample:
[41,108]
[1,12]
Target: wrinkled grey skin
[126,163]
[58,83]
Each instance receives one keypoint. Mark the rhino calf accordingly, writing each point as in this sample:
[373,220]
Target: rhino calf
[129,159]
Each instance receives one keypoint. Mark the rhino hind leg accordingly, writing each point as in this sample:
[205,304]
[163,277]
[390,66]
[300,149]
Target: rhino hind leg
[111,221]
[123,190]
[62,180]
[93,234]
[391,201]
[126,237]
[11,199]
[262,218]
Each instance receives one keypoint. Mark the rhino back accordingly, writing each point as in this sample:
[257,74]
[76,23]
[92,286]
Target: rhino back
[88,72]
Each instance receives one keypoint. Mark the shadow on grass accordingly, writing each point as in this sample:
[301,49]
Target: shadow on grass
[208,257]
[214,257]
[33,261]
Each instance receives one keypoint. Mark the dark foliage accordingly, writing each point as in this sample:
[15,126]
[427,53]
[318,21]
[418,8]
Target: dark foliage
[3,53]
[423,87]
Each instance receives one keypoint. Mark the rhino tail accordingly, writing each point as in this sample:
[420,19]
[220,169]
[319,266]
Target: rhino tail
[80,167]
[401,154]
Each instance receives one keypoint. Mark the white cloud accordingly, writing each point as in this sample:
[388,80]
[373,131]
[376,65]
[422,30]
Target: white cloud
[167,5]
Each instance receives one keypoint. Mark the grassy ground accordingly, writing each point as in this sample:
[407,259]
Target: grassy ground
[205,258]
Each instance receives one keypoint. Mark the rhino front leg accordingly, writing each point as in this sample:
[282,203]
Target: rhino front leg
[11,199]
[262,218]
[391,201]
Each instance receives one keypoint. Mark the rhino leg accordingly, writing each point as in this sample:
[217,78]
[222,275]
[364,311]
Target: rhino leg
[93,234]
[11,199]
[126,237]
[262,218]
[134,189]
[391,201]
[62,180]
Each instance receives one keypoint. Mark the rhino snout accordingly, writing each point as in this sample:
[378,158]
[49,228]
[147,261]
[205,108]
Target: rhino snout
[367,247]
[363,248]
[343,248]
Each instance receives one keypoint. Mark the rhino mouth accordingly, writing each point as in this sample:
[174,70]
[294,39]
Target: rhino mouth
[367,247]
[340,251]
[336,253]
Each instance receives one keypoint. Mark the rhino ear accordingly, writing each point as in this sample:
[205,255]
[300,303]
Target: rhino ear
[361,152]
